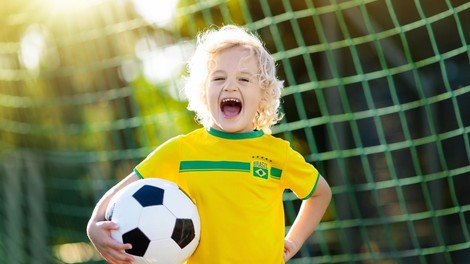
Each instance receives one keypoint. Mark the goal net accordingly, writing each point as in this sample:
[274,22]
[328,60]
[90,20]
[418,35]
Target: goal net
[377,96]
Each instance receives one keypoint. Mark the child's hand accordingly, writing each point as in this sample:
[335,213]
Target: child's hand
[290,248]
[111,250]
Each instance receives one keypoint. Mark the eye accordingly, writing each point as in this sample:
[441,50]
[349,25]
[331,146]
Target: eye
[244,80]
[218,78]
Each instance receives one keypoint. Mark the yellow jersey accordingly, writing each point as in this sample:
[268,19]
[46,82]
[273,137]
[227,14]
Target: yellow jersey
[237,182]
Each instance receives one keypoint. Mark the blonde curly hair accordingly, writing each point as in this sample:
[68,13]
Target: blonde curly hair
[210,43]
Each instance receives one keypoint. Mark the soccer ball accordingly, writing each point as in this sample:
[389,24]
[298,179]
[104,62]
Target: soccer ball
[158,219]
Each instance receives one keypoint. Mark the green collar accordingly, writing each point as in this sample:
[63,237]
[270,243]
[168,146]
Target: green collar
[244,135]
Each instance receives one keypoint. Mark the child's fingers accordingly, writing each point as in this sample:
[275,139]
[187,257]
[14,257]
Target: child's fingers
[113,251]
[108,225]
[120,257]
[116,252]
[119,246]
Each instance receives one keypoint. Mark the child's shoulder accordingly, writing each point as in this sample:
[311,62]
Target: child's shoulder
[194,134]
[276,141]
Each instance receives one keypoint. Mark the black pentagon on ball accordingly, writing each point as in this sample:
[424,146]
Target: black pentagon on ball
[149,195]
[183,233]
[139,241]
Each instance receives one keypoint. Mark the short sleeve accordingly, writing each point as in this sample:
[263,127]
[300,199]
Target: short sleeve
[298,175]
[161,163]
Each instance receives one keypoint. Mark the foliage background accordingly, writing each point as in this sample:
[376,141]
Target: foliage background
[376,97]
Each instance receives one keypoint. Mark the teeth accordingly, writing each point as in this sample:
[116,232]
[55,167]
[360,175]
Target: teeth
[230,100]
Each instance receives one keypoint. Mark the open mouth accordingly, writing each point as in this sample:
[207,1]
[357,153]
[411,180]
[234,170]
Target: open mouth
[231,107]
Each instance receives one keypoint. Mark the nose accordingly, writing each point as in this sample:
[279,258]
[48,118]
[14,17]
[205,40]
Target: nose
[230,89]
[230,86]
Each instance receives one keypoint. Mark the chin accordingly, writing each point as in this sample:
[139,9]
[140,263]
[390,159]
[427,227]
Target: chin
[232,124]
[229,128]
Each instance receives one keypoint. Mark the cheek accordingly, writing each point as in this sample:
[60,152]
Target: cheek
[211,97]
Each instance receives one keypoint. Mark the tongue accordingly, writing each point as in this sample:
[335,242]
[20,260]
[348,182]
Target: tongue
[231,110]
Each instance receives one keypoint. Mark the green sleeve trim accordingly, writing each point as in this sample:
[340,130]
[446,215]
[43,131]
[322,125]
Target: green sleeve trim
[313,189]
[138,173]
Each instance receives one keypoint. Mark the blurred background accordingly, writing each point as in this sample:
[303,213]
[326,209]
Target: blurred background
[377,97]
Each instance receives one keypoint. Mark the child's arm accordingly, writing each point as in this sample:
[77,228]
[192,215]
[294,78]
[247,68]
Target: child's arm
[310,215]
[99,230]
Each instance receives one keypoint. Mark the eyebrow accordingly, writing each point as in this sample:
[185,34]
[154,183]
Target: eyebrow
[242,72]
[248,73]
[218,71]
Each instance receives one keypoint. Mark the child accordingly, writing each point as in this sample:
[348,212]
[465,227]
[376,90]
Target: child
[233,169]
